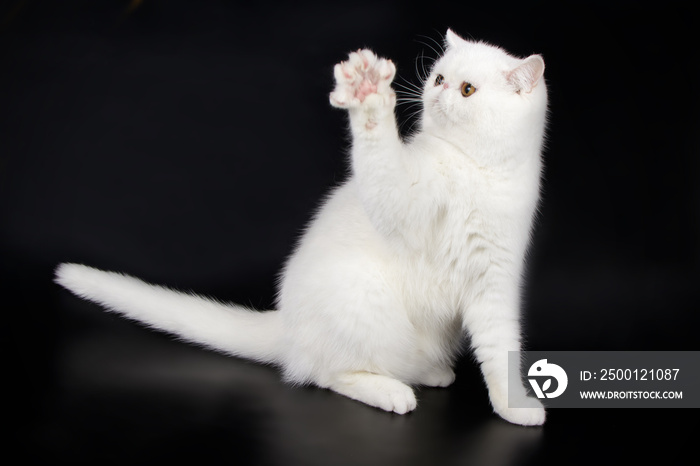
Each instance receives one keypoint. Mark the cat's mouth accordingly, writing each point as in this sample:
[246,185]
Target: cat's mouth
[437,108]
[440,110]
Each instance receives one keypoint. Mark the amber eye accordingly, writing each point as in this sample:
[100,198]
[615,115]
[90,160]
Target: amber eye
[467,89]
[439,80]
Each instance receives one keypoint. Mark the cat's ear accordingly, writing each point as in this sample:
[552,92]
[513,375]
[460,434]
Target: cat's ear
[527,74]
[452,39]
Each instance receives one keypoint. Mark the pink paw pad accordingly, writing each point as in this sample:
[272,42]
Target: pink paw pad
[366,88]
[361,75]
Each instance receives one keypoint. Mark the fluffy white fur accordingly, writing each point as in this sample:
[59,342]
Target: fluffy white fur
[423,244]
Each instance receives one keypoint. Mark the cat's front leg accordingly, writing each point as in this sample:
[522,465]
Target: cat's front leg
[363,87]
[380,168]
[495,330]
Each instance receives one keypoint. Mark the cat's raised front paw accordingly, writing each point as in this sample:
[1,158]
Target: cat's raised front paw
[363,80]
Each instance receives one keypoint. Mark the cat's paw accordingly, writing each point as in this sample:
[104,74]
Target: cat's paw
[399,399]
[531,414]
[375,390]
[439,378]
[364,80]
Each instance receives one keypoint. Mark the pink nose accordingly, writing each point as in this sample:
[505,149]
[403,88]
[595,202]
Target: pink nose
[445,86]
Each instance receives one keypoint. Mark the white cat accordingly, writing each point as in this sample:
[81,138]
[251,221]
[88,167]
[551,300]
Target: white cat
[424,244]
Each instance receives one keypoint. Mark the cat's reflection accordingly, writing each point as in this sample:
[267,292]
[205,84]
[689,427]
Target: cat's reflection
[288,425]
[351,433]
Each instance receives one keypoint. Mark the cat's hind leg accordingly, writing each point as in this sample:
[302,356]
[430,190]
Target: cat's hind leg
[438,377]
[375,390]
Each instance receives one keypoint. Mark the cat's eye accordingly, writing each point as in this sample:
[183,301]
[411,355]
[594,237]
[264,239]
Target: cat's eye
[439,80]
[467,89]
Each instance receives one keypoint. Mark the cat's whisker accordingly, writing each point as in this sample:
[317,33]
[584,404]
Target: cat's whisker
[408,104]
[422,65]
[415,65]
[402,95]
[440,47]
[413,105]
[426,72]
[409,94]
[422,73]
[410,88]
[413,119]
[406,82]
[415,114]
[409,98]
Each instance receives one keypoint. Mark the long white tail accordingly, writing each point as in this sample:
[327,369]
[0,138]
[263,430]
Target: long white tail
[227,328]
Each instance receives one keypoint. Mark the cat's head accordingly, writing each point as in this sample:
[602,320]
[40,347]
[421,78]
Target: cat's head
[476,89]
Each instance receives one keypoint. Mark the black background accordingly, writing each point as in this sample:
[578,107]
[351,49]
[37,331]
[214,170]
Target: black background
[188,143]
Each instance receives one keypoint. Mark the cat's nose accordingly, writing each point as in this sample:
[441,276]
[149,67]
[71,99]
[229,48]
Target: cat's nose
[445,86]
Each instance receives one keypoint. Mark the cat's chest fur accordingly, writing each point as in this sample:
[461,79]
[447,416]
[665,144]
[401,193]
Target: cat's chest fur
[476,218]
[468,207]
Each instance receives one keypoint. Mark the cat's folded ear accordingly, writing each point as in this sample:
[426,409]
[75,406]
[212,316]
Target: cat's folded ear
[527,74]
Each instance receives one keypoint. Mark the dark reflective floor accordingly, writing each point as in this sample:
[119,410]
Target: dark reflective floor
[122,394]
